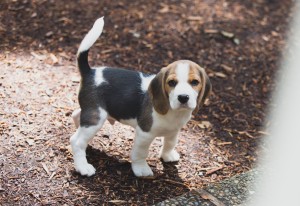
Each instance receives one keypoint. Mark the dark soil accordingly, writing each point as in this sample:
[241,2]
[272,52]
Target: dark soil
[238,42]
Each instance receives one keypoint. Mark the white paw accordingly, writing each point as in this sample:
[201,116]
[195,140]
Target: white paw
[141,169]
[85,169]
[172,156]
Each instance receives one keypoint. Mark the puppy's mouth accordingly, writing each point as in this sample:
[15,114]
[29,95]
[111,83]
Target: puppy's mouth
[184,106]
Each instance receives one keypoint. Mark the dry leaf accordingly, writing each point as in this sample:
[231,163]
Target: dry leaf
[194,18]
[30,142]
[264,133]
[214,170]
[227,34]
[54,58]
[117,201]
[40,158]
[227,68]
[205,125]
[223,143]
[52,175]
[247,134]
[236,41]
[220,74]
[211,31]
[39,57]
[264,37]
[49,34]
[165,9]
[46,168]
[274,33]
[33,15]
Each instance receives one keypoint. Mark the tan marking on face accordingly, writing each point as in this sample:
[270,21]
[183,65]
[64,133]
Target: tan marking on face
[164,96]
[195,75]
[171,76]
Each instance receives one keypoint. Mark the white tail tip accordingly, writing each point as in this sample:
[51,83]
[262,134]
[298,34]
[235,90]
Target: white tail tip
[92,36]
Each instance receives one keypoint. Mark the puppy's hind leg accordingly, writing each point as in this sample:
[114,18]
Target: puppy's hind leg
[76,117]
[90,122]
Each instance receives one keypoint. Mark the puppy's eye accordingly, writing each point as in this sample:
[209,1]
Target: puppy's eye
[194,82]
[172,83]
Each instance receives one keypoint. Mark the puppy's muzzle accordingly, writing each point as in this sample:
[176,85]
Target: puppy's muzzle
[183,98]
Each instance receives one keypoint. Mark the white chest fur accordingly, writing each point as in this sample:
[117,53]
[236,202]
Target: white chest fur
[171,122]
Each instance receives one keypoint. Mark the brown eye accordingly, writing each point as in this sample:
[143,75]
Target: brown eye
[194,82]
[172,83]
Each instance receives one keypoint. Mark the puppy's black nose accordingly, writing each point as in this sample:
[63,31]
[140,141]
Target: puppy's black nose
[183,98]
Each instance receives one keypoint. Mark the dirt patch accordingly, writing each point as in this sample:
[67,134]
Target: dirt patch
[239,43]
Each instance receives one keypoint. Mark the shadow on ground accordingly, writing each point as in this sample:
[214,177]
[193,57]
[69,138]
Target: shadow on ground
[122,181]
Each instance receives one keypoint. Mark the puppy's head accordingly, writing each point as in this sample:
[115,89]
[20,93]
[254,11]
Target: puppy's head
[182,85]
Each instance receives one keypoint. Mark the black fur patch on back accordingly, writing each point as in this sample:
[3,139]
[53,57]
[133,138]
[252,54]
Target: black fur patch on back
[121,96]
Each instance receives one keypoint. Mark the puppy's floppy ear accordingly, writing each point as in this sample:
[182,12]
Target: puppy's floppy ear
[158,94]
[204,91]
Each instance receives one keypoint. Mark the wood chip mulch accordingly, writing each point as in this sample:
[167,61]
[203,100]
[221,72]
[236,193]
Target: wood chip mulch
[238,42]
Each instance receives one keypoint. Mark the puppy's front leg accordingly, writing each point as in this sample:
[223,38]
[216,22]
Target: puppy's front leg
[139,153]
[168,152]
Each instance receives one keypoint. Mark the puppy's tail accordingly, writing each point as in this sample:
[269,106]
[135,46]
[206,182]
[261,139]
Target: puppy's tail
[88,41]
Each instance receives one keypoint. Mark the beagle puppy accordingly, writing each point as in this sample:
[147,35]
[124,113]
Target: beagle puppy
[155,105]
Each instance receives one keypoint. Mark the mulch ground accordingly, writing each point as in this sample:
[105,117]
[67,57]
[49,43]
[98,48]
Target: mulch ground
[238,42]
